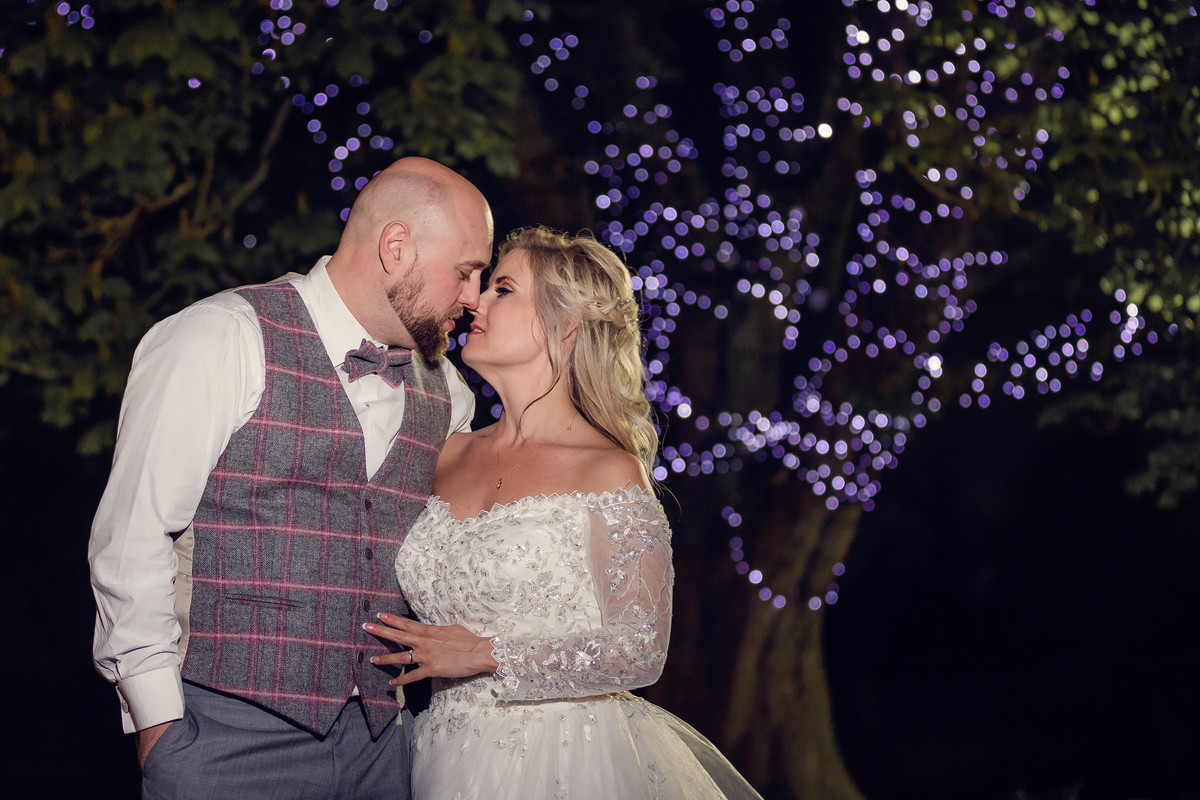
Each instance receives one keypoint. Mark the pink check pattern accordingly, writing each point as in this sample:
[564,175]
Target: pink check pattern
[294,545]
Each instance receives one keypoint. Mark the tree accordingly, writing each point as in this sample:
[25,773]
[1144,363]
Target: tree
[153,153]
[1122,143]
[847,226]
[828,238]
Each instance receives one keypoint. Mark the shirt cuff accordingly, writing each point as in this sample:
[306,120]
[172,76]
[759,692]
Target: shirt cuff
[150,698]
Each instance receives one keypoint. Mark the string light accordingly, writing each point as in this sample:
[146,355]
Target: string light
[837,450]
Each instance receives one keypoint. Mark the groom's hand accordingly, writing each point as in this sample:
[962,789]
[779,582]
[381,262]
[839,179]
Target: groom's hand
[146,739]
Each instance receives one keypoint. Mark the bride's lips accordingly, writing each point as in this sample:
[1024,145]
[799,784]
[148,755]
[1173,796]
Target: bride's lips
[474,329]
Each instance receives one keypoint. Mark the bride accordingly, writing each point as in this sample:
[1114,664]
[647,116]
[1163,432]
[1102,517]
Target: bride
[541,569]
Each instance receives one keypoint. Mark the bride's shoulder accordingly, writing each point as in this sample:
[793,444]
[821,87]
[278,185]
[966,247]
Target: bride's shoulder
[606,468]
[461,442]
[457,449]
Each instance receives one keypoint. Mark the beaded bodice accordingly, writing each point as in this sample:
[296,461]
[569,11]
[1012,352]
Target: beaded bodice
[574,591]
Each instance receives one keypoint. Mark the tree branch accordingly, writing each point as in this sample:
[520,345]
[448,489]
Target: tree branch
[264,165]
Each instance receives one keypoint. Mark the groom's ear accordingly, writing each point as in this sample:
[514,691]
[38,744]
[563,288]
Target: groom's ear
[395,244]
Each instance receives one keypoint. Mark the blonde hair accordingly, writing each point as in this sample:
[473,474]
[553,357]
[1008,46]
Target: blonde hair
[584,299]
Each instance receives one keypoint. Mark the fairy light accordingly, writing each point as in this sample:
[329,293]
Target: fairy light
[838,451]
[835,449]
[84,16]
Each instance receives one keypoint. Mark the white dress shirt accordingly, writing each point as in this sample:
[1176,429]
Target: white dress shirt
[197,377]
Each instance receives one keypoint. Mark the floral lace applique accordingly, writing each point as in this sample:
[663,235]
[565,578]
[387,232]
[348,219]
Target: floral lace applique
[629,556]
[575,591]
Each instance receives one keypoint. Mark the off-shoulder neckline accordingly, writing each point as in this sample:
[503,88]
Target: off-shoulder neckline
[634,493]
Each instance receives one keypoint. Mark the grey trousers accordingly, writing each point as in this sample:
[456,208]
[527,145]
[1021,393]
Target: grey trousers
[225,748]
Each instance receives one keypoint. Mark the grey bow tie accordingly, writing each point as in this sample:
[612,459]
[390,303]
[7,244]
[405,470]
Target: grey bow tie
[369,359]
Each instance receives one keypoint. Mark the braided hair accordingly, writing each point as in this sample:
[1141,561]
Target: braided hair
[584,299]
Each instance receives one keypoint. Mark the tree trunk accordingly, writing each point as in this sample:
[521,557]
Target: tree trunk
[780,720]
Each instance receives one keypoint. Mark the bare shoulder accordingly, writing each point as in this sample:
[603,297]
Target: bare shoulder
[456,444]
[607,468]
[456,451]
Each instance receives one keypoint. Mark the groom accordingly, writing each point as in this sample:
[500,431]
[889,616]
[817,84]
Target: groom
[269,421]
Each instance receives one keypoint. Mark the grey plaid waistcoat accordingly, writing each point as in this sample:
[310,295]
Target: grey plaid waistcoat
[294,547]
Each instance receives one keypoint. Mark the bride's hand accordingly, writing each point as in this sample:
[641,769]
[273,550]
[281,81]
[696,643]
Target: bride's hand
[442,651]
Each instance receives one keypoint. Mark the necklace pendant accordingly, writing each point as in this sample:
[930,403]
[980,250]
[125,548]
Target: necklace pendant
[498,482]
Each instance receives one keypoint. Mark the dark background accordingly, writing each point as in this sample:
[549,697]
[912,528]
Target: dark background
[1009,620]
[1010,624]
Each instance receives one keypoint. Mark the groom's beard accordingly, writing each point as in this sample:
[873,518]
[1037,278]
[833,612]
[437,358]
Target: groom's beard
[421,322]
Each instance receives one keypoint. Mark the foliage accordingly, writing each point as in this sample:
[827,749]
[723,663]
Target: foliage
[1124,180]
[874,222]
[793,217]
[154,153]
[1125,188]
[1121,135]
[1104,156]
[1159,397]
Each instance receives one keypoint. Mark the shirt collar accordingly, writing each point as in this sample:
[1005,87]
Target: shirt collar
[337,326]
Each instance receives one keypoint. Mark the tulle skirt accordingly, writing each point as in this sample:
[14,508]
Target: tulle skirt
[617,746]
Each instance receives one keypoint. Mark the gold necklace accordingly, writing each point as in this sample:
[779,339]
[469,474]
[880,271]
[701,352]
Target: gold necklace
[502,473]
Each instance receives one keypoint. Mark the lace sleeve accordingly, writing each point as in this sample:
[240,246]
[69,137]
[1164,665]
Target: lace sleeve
[630,562]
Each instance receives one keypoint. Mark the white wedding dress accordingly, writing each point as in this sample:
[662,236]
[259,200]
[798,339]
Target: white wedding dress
[575,593]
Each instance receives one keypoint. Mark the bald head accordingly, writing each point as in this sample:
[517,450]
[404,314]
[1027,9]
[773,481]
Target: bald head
[416,190]
[416,222]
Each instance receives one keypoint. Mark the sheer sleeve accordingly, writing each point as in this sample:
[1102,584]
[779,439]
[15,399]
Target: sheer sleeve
[629,554]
